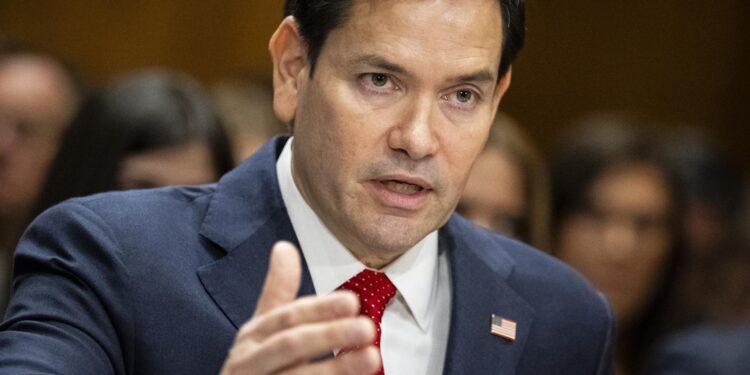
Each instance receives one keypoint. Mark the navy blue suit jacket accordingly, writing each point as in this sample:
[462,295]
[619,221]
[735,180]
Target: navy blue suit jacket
[704,350]
[158,281]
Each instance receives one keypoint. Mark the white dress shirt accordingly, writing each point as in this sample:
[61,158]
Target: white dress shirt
[416,322]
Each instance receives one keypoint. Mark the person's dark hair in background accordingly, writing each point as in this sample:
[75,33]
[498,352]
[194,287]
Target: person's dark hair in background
[718,347]
[317,18]
[137,114]
[614,218]
[711,188]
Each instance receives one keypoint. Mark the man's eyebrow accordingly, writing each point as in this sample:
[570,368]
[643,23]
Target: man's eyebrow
[380,62]
[478,76]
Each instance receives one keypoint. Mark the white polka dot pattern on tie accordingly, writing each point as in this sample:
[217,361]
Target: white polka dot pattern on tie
[372,302]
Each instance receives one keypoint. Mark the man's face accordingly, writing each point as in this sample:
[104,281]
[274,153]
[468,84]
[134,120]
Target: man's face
[397,110]
[35,106]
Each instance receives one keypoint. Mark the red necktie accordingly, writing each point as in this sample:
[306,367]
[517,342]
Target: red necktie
[375,290]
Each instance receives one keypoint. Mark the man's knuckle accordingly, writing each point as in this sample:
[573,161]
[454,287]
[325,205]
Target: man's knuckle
[287,318]
[288,344]
[335,334]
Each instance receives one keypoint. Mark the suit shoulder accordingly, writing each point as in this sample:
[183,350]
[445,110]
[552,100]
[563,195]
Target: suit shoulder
[571,325]
[135,216]
[136,208]
[536,274]
[535,267]
[147,200]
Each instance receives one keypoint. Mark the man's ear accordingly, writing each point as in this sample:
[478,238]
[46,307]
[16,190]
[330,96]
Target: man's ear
[500,89]
[289,60]
[502,86]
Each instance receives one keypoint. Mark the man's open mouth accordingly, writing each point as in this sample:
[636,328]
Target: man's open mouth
[402,187]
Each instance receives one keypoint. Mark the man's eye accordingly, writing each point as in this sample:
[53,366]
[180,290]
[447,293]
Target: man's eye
[379,80]
[464,99]
[378,83]
[464,96]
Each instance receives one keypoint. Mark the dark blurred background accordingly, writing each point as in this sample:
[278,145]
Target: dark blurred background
[670,61]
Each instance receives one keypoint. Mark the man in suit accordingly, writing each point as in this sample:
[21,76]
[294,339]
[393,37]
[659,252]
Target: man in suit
[390,102]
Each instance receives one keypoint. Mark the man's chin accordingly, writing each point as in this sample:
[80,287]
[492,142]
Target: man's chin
[393,236]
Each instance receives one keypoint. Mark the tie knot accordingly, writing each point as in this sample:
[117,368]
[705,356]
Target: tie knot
[374,290]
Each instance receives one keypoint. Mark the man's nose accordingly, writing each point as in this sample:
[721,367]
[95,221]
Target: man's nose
[415,133]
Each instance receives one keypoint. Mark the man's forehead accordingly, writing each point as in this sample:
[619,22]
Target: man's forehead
[458,13]
[449,32]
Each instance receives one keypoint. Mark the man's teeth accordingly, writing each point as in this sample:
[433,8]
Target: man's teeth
[401,187]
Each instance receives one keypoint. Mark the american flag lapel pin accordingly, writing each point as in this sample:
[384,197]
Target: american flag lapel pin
[503,327]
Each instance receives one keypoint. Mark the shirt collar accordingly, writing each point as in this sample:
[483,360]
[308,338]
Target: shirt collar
[414,273]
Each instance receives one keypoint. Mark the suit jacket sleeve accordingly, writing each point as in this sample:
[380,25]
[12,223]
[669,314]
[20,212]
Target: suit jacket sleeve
[69,312]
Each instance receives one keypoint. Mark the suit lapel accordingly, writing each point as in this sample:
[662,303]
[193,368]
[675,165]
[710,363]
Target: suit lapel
[479,272]
[246,217]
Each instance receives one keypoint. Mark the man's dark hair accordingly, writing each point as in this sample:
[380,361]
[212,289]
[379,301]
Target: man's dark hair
[316,18]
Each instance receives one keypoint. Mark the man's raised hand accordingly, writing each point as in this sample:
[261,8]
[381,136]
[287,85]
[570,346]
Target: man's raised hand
[285,333]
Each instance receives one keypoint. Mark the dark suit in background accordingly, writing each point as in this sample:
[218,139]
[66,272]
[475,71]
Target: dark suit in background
[705,350]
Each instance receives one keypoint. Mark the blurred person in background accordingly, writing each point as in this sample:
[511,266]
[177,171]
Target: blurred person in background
[246,109]
[711,189]
[507,190]
[38,96]
[721,347]
[614,220]
[148,129]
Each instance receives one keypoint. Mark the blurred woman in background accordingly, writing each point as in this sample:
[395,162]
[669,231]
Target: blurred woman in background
[720,346]
[615,211]
[507,189]
[711,190]
[146,130]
